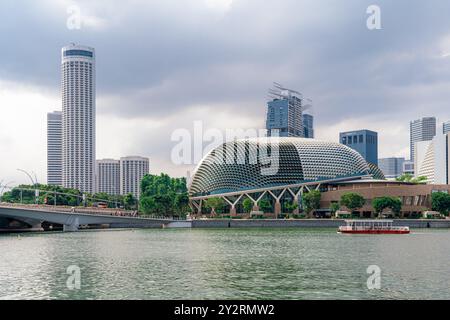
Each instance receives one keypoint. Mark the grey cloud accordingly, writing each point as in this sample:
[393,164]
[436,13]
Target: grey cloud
[160,59]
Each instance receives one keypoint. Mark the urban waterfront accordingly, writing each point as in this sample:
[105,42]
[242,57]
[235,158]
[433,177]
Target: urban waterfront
[224,264]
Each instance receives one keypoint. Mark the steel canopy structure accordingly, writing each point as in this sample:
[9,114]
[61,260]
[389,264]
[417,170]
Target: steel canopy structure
[273,168]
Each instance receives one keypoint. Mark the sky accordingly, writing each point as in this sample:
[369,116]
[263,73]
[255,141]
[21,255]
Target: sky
[162,66]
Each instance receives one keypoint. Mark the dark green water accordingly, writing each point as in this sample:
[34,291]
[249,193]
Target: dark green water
[225,264]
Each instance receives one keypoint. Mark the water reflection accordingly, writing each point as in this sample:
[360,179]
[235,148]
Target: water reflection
[224,264]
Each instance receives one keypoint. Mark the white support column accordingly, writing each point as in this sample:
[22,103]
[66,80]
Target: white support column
[295,195]
[255,203]
[71,224]
[233,204]
[277,202]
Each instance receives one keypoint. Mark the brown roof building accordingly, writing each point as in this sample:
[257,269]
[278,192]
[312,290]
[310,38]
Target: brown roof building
[415,198]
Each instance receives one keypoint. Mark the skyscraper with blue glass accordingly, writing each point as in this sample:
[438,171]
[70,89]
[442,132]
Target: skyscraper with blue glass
[363,141]
[446,127]
[308,125]
[285,113]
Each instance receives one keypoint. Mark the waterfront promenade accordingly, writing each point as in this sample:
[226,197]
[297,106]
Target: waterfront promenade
[73,218]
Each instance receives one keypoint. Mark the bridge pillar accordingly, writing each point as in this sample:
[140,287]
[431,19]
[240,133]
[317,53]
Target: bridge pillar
[37,227]
[72,225]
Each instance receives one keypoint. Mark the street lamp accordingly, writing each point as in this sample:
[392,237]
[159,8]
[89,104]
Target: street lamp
[29,176]
[4,186]
[34,184]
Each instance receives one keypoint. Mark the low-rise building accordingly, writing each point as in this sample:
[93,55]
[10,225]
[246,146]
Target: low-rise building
[392,167]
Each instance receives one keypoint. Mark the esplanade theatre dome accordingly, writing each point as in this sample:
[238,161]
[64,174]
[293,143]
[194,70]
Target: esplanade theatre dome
[249,164]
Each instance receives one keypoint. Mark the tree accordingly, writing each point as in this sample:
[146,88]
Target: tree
[248,205]
[290,207]
[407,177]
[265,206]
[215,204]
[26,194]
[334,207]
[381,203]
[181,203]
[129,201]
[440,201]
[353,201]
[164,195]
[147,205]
[311,201]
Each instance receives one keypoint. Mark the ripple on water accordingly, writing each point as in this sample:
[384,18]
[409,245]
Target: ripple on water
[224,264]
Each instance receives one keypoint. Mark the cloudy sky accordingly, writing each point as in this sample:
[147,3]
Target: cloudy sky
[161,65]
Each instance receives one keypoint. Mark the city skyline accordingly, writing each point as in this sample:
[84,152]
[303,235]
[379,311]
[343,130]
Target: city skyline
[154,83]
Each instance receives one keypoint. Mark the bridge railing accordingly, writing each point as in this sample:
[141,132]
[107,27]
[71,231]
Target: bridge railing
[83,210]
[171,218]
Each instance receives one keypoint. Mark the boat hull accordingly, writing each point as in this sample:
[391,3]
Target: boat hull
[375,231]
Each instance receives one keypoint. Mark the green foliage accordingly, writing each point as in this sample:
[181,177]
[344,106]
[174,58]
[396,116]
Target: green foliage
[381,203]
[352,201]
[163,195]
[290,207]
[334,207]
[215,204]
[311,201]
[129,201]
[63,196]
[265,206]
[440,201]
[410,178]
[46,195]
[248,205]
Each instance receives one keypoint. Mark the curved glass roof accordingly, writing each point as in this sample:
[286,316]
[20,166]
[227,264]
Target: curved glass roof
[269,162]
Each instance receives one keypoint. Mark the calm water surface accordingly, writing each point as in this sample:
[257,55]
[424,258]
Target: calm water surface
[225,264]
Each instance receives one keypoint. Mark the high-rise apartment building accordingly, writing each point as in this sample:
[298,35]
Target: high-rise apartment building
[284,112]
[421,130]
[132,170]
[54,148]
[78,117]
[392,167]
[363,141]
[308,125]
[108,176]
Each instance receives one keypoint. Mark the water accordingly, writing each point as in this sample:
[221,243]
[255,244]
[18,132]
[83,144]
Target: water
[225,264]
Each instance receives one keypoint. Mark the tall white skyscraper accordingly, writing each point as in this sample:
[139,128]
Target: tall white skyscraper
[78,117]
[132,170]
[421,130]
[432,159]
[108,176]
[54,148]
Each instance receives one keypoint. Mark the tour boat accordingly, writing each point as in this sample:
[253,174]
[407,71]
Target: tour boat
[372,227]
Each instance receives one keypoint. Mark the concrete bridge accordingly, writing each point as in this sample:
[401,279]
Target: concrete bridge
[72,220]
